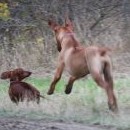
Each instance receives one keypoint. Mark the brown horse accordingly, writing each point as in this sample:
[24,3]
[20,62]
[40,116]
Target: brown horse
[80,61]
[18,90]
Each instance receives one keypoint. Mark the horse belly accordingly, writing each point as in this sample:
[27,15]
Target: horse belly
[76,67]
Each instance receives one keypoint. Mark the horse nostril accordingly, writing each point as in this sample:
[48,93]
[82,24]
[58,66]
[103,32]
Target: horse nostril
[29,73]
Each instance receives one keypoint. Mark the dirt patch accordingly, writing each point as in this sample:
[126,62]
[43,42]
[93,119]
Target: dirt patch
[25,124]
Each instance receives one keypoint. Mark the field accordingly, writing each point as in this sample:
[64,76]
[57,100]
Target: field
[86,105]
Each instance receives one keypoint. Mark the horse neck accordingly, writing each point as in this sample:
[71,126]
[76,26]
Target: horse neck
[69,40]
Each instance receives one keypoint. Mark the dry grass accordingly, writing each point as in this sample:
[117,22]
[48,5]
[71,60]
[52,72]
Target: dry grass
[86,104]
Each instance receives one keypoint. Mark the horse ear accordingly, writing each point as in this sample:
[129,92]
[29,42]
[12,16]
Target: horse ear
[68,23]
[52,24]
[26,74]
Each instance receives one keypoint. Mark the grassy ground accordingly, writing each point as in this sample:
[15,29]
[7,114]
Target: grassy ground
[86,104]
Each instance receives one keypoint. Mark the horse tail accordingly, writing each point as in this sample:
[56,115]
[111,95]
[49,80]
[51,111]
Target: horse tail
[41,96]
[104,50]
[108,73]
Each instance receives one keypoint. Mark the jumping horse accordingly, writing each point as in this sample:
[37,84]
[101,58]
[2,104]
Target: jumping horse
[80,61]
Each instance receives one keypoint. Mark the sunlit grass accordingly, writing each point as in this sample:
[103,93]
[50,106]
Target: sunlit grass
[86,104]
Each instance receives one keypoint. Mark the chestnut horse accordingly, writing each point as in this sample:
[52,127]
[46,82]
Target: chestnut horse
[80,61]
[19,90]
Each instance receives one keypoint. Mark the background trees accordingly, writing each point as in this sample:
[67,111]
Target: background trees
[26,40]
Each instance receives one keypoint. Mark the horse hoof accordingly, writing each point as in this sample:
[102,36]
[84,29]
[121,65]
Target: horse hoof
[68,89]
[67,92]
[50,93]
[113,108]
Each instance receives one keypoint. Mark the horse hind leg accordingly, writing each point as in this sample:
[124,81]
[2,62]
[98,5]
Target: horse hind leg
[112,103]
[98,78]
[38,99]
[96,70]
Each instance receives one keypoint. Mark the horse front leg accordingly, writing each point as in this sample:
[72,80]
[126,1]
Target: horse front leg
[70,85]
[57,77]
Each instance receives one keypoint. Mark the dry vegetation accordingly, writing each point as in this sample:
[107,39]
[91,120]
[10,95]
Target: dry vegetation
[86,105]
[26,41]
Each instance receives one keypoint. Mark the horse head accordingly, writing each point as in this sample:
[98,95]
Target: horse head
[61,30]
[15,75]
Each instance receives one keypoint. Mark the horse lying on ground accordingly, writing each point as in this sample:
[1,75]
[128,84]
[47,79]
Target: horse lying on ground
[80,61]
[18,90]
